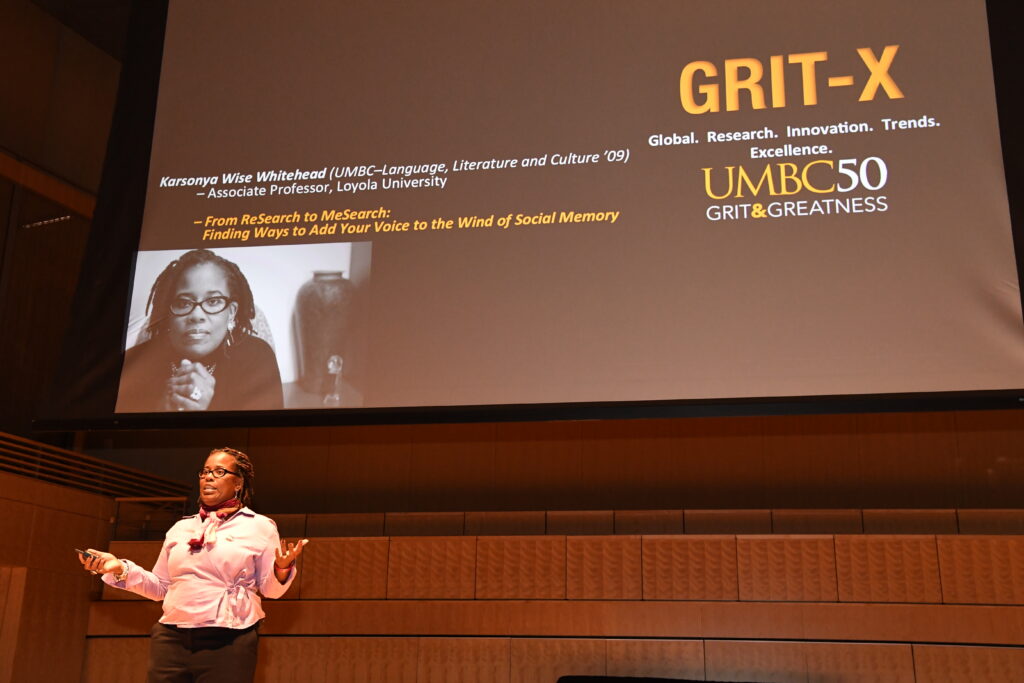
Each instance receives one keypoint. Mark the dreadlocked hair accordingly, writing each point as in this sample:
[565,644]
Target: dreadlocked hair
[245,470]
[163,290]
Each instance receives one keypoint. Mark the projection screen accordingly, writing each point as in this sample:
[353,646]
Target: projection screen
[461,203]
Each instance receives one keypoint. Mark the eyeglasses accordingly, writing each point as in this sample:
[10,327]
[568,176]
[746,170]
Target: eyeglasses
[213,304]
[217,472]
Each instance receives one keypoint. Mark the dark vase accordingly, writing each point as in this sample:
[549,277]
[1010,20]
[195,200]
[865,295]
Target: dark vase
[322,309]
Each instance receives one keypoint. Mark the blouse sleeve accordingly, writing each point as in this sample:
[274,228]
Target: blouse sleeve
[269,586]
[149,584]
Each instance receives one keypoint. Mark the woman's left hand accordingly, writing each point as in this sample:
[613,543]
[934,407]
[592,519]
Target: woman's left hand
[285,556]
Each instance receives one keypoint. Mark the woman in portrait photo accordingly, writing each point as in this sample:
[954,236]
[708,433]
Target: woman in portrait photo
[202,352]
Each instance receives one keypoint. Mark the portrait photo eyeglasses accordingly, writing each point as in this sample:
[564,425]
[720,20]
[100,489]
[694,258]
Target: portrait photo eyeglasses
[211,304]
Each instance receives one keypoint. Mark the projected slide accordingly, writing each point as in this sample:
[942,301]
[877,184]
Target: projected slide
[452,203]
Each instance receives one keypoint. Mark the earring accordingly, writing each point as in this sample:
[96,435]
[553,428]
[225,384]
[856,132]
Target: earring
[230,338]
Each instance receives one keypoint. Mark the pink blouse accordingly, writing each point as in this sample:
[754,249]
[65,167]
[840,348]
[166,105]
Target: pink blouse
[218,585]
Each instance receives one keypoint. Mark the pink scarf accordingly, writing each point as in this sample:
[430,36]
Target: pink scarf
[212,517]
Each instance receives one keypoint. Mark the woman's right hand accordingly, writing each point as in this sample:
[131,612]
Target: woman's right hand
[190,388]
[101,562]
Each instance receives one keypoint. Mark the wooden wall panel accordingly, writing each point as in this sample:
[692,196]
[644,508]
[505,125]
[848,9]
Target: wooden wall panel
[543,661]
[990,458]
[6,584]
[728,521]
[40,493]
[580,522]
[672,464]
[817,522]
[449,460]
[464,660]
[176,454]
[956,664]
[912,623]
[82,106]
[887,569]
[44,536]
[814,462]
[858,663]
[656,658]
[16,530]
[786,568]
[910,521]
[344,524]
[289,453]
[369,468]
[115,660]
[424,523]
[907,460]
[990,521]
[290,527]
[55,535]
[752,620]
[767,662]
[521,567]
[341,568]
[12,597]
[603,568]
[714,463]
[878,622]
[808,662]
[54,617]
[794,462]
[46,601]
[506,523]
[425,568]
[124,617]
[716,460]
[488,660]
[534,461]
[55,74]
[337,660]
[642,522]
[982,569]
[651,445]
[689,568]
[30,39]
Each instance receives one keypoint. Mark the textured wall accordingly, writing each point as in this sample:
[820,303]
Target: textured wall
[58,95]
[899,460]
[45,608]
[837,608]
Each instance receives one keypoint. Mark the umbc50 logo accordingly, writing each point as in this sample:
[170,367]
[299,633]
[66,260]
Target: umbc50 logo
[821,176]
[785,179]
[745,75]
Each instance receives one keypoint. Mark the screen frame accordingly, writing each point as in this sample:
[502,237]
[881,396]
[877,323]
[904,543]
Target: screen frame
[95,337]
